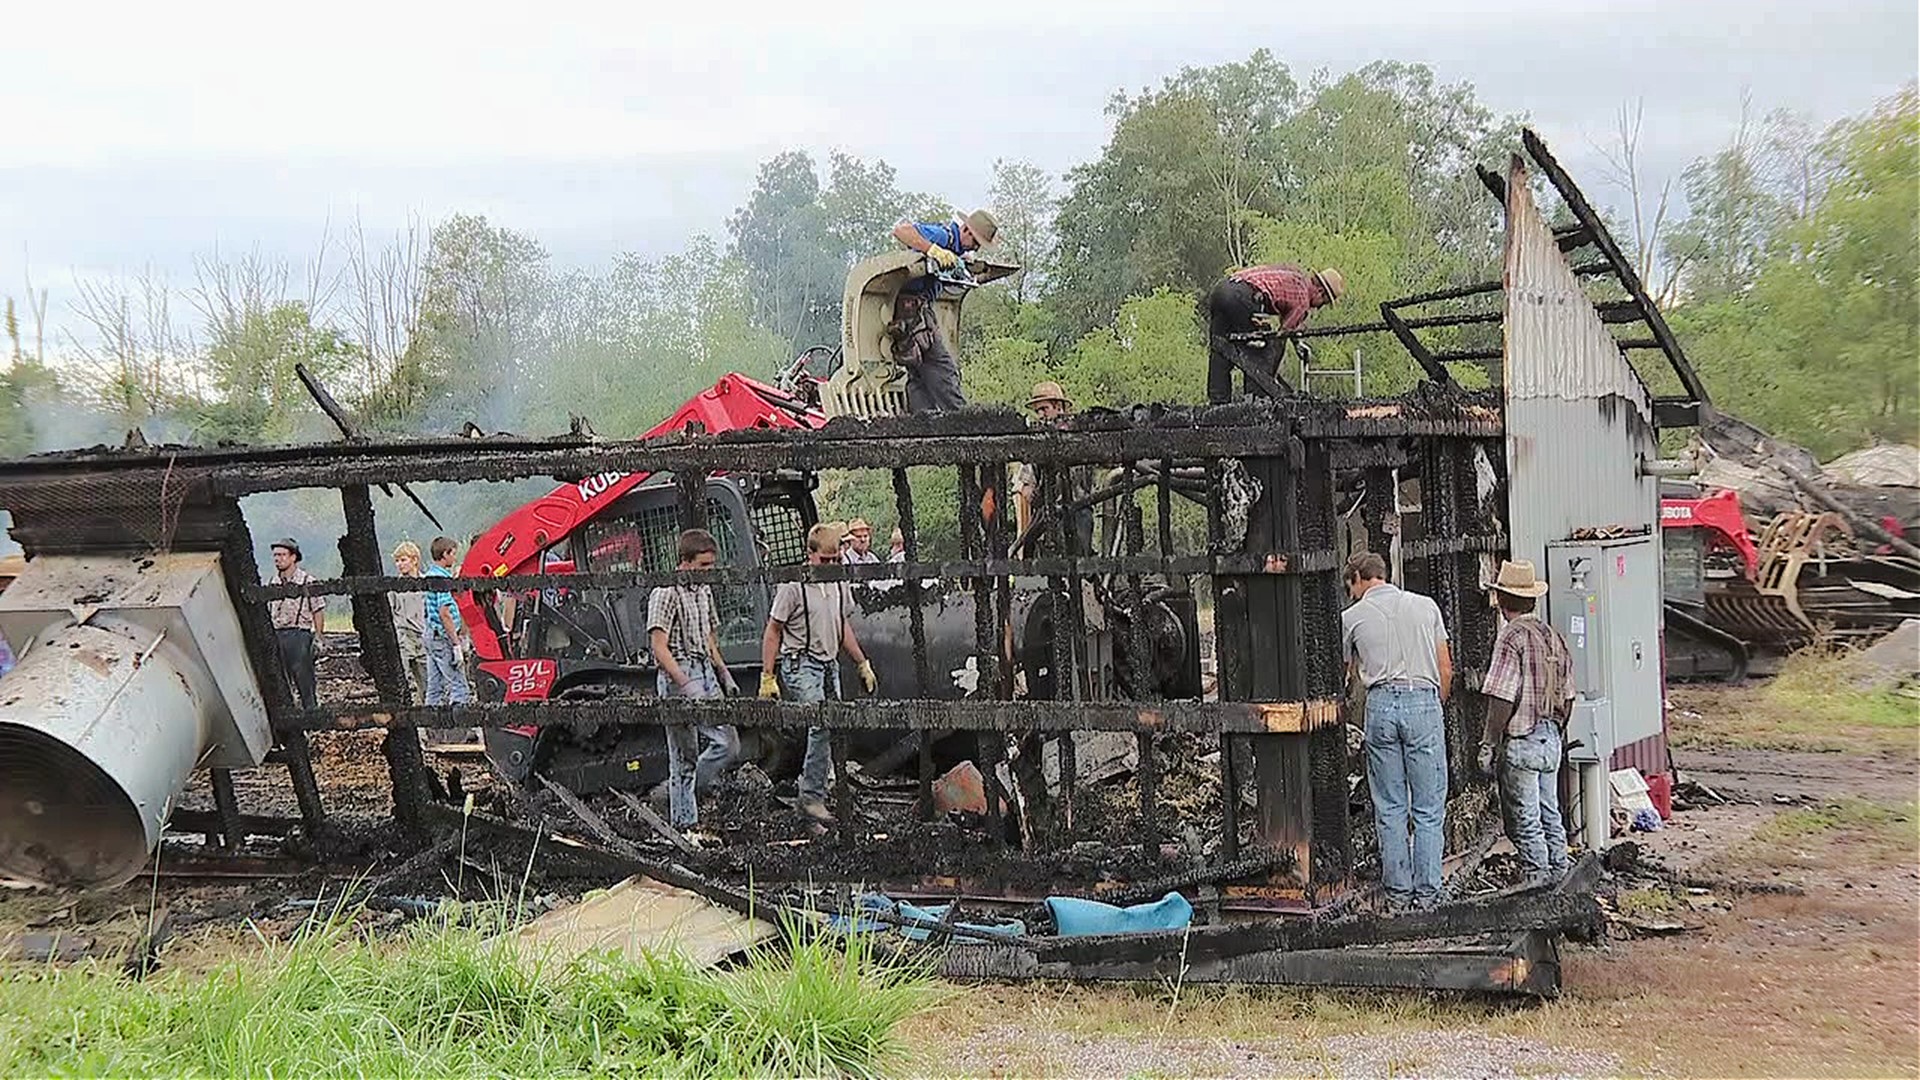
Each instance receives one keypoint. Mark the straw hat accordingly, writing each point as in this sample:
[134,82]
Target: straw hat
[1048,391]
[1333,283]
[983,226]
[1517,578]
[858,525]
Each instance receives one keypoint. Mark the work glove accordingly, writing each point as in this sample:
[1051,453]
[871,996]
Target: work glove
[867,678]
[945,259]
[769,685]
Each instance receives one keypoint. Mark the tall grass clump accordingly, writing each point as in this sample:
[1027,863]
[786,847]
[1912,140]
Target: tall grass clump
[443,1002]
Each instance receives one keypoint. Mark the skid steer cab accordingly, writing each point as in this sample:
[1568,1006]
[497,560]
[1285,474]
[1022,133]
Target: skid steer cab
[567,643]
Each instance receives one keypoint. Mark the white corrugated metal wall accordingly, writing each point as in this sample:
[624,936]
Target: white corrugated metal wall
[1579,419]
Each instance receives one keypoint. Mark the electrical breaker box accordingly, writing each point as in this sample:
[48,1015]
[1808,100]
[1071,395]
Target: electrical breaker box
[1604,595]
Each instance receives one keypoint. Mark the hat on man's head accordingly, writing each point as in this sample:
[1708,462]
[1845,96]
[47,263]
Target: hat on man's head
[1048,391]
[291,545]
[1333,283]
[859,525]
[983,226]
[1517,578]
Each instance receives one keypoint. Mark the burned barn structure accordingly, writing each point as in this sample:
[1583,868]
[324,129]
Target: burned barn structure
[1236,517]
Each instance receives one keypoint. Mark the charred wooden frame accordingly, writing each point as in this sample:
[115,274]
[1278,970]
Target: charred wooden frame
[1272,564]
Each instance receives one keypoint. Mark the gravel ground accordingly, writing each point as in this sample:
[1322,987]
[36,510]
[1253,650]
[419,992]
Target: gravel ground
[1016,1051]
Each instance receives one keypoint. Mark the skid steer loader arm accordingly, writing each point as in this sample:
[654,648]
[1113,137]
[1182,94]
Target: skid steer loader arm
[869,381]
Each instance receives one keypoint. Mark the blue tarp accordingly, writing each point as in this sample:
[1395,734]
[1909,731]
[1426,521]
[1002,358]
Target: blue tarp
[1075,917]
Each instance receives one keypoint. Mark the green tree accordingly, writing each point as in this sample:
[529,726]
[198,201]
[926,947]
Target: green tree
[1820,348]
[1167,202]
[1024,205]
[255,394]
[796,239]
[481,333]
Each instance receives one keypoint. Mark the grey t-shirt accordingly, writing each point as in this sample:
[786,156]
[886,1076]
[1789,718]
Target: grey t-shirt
[1395,634]
[811,617]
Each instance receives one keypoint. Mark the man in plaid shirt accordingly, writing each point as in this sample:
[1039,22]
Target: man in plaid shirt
[1277,297]
[683,635]
[1529,688]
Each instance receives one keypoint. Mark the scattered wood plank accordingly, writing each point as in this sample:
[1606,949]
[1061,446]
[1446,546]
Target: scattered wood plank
[649,817]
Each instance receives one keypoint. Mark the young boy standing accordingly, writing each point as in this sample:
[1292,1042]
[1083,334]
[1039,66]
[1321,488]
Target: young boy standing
[683,635]
[807,628]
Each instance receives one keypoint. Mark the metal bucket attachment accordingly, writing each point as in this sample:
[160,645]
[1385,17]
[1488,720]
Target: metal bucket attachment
[131,674]
[870,380]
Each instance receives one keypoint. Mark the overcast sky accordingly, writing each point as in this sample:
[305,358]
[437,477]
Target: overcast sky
[145,133]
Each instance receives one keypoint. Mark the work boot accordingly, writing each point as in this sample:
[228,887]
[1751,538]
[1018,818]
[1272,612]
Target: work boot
[815,807]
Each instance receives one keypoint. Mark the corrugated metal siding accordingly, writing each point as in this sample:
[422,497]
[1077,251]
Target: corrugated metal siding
[1649,755]
[1579,419]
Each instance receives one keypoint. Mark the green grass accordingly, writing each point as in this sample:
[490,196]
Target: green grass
[441,1002]
[1858,817]
[1814,703]
[1648,903]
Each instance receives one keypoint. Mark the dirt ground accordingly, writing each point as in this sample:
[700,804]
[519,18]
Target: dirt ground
[1797,951]
[1819,978]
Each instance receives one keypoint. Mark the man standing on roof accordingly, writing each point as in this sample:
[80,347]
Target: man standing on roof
[1260,298]
[933,377]
[1529,688]
[298,622]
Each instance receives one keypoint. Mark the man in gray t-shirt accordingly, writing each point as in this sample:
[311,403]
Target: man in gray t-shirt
[807,628]
[1396,645]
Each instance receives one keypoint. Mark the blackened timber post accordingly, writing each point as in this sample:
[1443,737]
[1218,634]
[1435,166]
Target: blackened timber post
[380,653]
[1321,602]
[263,649]
[917,629]
[1229,652]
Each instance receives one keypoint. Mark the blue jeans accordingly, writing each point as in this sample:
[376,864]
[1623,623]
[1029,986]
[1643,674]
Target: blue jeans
[1407,775]
[807,680]
[446,681]
[684,773]
[1530,784]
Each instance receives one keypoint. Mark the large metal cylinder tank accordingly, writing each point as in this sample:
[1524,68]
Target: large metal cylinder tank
[131,674]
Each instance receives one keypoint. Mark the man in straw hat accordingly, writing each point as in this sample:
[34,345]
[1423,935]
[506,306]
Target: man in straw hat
[1278,297]
[857,550]
[1529,688]
[933,378]
[1049,402]
[1396,645]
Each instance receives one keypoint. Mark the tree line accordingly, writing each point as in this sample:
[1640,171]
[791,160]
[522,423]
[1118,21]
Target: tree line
[1788,275]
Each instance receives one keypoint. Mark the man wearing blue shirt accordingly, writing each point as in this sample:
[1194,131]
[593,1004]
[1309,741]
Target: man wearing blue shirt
[933,378]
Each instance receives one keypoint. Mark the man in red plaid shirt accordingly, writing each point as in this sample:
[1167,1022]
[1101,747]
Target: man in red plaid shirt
[1281,295]
[1529,688]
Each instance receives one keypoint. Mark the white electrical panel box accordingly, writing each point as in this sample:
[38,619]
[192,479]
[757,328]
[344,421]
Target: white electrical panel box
[1604,595]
